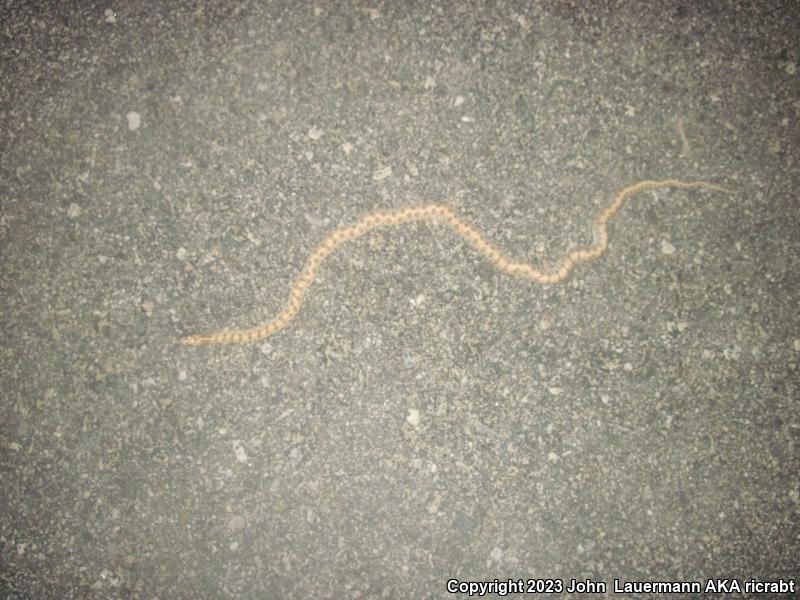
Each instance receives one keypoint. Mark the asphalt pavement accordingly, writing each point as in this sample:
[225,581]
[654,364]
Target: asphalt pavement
[426,426]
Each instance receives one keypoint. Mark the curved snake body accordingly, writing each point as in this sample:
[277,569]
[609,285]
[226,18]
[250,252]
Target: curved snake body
[444,214]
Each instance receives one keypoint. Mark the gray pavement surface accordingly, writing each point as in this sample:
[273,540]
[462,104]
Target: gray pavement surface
[165,169]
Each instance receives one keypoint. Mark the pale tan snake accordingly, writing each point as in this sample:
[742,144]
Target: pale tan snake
[444,214]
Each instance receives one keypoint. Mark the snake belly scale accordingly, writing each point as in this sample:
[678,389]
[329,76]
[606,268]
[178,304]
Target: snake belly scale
[445,215]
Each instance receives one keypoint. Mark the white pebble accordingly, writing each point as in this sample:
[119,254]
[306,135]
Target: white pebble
[667,248]
[413,417]
[241,455]
[315,133]
[74,211]
[134,120]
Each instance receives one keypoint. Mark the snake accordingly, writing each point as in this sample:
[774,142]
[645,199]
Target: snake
[443,214]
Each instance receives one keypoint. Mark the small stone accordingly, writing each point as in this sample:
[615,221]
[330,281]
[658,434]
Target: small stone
[667,248]
[382,173]
[110,15]
[134,120]
[315,133]
[413,417]
[236,523]
[241,455]
[74,211]
[181,254]
[433,507]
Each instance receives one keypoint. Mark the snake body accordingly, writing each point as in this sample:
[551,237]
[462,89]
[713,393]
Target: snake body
[444,214]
